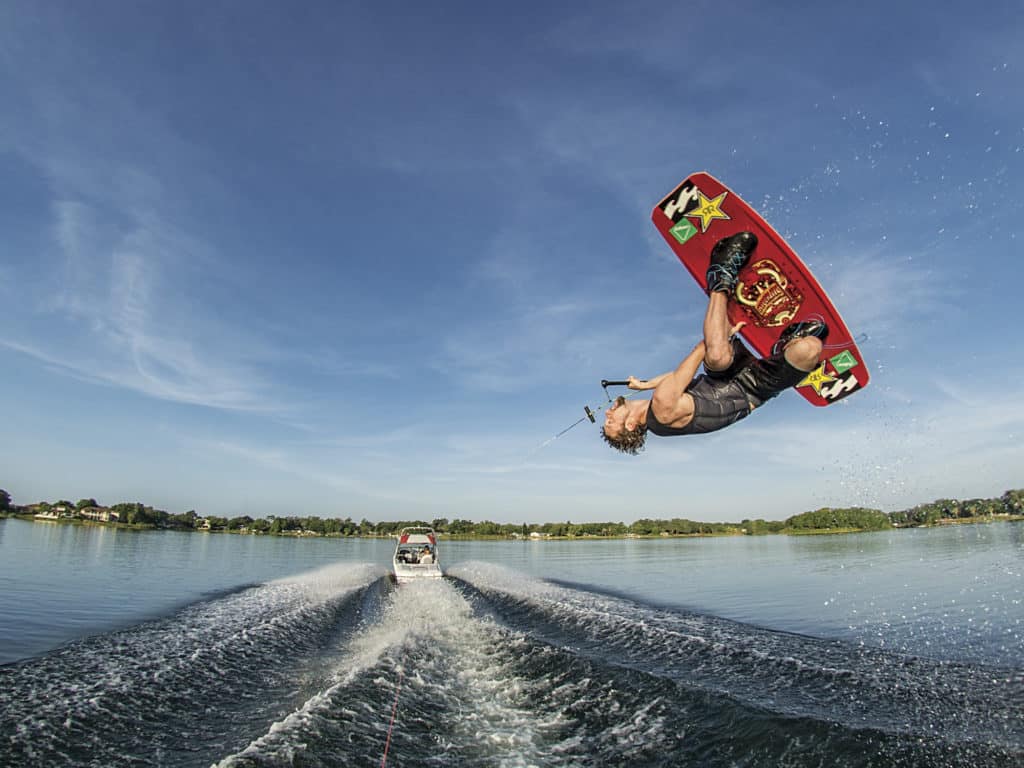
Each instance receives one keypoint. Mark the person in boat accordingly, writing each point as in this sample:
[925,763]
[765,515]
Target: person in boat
[734,382]
[426,557]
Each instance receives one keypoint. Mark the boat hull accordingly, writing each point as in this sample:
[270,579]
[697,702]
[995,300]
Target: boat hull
[404,572]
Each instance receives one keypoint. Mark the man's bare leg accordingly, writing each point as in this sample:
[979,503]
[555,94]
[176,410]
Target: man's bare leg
[718,355]
[727,258]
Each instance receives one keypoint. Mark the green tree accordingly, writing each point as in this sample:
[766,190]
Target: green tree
[136,513]
[487,528]
[84,503]
[314,524]
[5,501]
[645,527]
[755,527]
[1013,501]
[828,518]
[283,524]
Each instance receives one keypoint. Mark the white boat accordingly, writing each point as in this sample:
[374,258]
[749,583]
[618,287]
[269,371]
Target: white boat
[416,555]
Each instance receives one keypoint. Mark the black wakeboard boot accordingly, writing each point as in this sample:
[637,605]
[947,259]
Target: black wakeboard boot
[799,330]
[727,259]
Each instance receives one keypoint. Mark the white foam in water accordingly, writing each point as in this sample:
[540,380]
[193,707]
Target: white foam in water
[579,678]
[449,659]
[789,674]
[69,688]
[587,609]
[328,581]
[581,608]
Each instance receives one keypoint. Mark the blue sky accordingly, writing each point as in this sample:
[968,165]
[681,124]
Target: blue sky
[362,259]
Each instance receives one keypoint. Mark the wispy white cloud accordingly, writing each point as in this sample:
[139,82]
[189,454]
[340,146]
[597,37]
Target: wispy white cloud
[333,363]
[537,326]
[878,293]
[360,478]
[116,306]
[124,320]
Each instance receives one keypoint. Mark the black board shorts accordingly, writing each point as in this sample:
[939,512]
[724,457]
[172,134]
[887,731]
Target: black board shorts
[762,379]
[721,398]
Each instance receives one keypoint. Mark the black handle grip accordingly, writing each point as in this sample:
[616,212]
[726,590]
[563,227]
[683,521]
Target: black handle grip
[606,383]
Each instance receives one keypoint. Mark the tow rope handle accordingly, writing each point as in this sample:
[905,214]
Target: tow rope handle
[605,383]
[588,413]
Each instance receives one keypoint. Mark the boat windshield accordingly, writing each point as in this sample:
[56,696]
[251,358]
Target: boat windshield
[415,554]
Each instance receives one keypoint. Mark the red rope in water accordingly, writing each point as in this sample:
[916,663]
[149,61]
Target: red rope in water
[391,725]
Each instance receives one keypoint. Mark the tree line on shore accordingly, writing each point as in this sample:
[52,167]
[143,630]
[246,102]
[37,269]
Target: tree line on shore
[1010,504]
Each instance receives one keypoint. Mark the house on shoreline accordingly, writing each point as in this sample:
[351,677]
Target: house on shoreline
[100,514]
[64,512]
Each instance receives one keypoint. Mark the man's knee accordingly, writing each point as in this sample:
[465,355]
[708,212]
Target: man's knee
[718,358]
[804,353]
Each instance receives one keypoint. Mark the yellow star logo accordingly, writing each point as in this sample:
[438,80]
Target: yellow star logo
[817,379]
[709,210]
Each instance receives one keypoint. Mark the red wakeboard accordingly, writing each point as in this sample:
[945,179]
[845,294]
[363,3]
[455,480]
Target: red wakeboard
[774,289]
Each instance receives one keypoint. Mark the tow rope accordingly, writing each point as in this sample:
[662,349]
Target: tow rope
[588,413]
[394,712]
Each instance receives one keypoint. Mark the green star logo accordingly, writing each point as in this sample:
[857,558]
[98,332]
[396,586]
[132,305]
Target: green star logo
[844,361]
[683,231]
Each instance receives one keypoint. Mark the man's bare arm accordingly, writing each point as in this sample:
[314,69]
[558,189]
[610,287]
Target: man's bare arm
[680,379]
[668,398]
[635,383]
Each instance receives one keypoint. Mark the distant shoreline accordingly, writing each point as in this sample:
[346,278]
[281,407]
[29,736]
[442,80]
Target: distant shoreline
[825,520]
[940,523]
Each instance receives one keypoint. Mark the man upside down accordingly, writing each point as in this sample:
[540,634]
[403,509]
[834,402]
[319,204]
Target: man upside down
[734,381]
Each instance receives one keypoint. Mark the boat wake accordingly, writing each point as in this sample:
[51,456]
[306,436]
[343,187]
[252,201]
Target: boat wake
[766,697]
[490,668]
[176,691]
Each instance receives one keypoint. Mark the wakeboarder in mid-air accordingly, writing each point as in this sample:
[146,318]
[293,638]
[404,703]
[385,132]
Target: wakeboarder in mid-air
[734,382]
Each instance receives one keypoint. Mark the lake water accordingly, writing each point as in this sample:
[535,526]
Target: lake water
[162,648]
